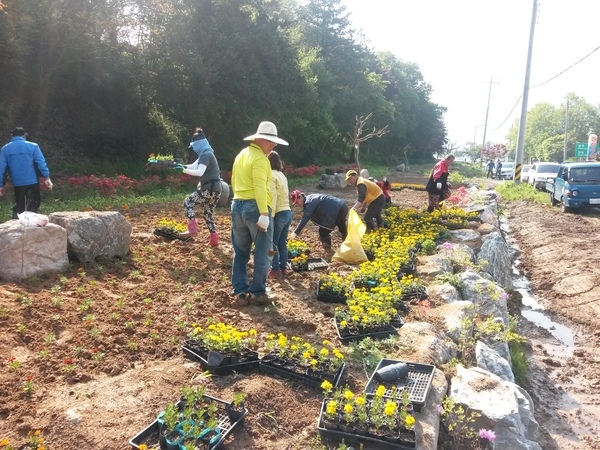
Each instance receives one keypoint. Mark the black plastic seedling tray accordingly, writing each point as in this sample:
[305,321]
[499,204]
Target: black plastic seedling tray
[149,435]
[417,383]
[220,370]
[387,331]
[311,264]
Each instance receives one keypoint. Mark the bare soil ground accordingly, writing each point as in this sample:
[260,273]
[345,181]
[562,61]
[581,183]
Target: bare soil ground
[560,256]
[101,343]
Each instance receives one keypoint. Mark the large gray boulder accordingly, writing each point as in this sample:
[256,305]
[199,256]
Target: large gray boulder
[496,252]
[94,234]
[30,251]
[335,181]
[505,407]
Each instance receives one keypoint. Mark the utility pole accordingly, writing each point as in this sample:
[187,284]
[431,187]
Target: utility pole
[523,120]
[566,131]
[487,113]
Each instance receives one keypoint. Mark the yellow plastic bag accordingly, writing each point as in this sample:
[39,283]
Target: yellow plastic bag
[351,250]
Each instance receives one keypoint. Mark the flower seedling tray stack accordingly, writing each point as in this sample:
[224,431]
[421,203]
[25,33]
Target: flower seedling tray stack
[169,235]
[329,297]
[199,355]
[380,333]
[311,264]
[149,435]
[160,165]
[420,294]
[417,383]
[407,439]
[297,372]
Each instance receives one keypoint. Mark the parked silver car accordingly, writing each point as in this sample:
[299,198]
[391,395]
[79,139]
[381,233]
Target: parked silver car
[540,172]
[525,173]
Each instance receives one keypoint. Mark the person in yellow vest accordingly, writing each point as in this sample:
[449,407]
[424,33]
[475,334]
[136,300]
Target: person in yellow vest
[251,214]
[370,197]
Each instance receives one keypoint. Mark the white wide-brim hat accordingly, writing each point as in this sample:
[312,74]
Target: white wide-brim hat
[268,131]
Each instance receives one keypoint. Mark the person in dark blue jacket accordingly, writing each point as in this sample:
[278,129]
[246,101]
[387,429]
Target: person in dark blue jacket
[324,210]
[24,161]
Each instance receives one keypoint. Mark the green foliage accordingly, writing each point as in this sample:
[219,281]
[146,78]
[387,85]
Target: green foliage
[521,191]
[370,351]
[452,279]
[519,362]
[459,421]
[429,246]
[131,95]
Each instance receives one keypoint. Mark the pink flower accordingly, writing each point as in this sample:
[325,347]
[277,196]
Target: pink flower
[440,409]
[487,434]
[447,246]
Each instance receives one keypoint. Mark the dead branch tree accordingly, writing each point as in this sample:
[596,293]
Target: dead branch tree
[358,137]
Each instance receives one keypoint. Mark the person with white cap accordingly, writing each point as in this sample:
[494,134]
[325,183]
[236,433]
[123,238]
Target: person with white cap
[209,188]
[251,215]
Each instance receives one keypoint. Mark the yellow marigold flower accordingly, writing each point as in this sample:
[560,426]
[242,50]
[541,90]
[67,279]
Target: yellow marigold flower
[326,386]
[348,394]
[4,442]
[314,362]
[360,401]
[331,407]
[324,352]
[326,342]
[380,391]
[348,408]
[390,408]
[143,447]
[409,421]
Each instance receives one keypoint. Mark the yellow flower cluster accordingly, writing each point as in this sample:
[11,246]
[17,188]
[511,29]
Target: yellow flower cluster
[393,413]
[218,336]
[159,157]
[298,246]
[333,283]
[305,353]
[170,225]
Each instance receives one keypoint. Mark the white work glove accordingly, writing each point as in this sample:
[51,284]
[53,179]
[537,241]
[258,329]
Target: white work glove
[263,223]
[48,184]
[438,186]
[292,235]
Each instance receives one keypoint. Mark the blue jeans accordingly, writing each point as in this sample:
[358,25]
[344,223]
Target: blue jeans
[245,232]
[281,226]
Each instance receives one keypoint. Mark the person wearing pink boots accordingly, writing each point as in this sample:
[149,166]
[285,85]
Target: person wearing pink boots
[209,188]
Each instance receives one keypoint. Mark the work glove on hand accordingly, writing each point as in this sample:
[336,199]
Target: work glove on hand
[179,168]
[263,223]
[438,186]
[292,235]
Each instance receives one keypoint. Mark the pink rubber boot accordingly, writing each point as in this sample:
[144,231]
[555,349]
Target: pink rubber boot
[214,240]
[192,230]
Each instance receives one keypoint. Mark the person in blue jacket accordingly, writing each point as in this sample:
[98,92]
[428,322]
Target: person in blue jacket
[324,210]
[25,164]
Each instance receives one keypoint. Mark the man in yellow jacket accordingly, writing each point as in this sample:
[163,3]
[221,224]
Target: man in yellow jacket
[251,215]
[370,197]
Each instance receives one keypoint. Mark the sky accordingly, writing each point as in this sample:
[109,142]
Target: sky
[460,45]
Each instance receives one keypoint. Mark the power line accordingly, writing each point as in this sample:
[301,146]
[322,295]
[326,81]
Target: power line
[547,81]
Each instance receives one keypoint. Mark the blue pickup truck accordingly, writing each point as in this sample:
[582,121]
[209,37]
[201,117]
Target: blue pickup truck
[576,186]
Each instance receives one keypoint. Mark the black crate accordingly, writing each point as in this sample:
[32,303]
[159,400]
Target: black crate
[387,331]
[368,442]
[220,370]
[305,379]
[311,264]
[171,236]
[329,297]
[417,383]
[149,435]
